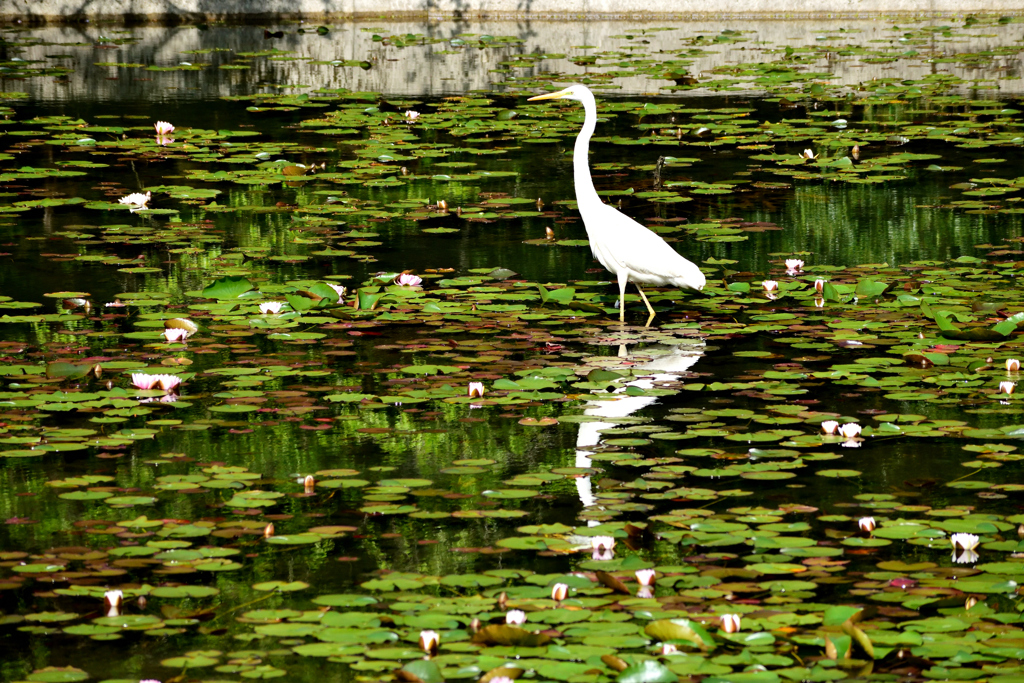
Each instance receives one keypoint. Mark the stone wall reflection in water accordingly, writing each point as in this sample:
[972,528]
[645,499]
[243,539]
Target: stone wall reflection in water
[443,69]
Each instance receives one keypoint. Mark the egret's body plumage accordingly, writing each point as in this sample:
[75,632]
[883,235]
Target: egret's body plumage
[620,244]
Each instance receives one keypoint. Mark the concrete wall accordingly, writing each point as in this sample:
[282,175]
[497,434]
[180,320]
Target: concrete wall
[212,10]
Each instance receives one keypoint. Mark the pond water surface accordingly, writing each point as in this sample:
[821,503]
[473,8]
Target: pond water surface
[312,487]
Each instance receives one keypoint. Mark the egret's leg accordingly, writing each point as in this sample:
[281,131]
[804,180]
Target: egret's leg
[623,276]
[648,303]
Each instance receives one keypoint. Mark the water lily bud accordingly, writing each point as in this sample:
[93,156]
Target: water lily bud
[515,617]
[475,625]
[969,603]
[866,524]
[429,642]
[1006,387]
[770,285]
[669,649]
[819,285]
[540,203]
[645,577]
[458,210]
[855,152]
[141,602]
[502,600]
[808,154]
[1020,530]
[476,389]
[730,623]
[268,530]
[442,205]
[309,483]
[549,233]
[850,430]
[829,427]
[559,592]
[1012,365]
[97,370]
[405,171]
[112,599]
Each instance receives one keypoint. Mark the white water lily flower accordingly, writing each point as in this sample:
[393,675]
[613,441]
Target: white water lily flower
[411,115]
[559,592]
[175,334]
[645,577]
[794,265]
[808,154]
[1006,387]
[850,430]
[515,617]
[966,557]
[271,307]
[1012,365]
[829,427]
[964,541]
[476,389]
[770,285]
[866,524]
[136,201]
[819,285]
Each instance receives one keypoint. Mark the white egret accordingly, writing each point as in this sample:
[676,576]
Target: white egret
[623,246]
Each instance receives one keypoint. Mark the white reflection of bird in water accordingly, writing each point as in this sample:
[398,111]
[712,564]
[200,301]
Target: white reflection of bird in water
[664,365]
[623,246]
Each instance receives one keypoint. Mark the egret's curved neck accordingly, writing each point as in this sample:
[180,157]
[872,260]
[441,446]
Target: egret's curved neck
[586,195]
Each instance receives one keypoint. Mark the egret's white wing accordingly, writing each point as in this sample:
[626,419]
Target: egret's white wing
[618,242]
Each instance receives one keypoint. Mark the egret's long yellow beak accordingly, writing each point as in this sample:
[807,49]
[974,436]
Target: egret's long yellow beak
[550,96]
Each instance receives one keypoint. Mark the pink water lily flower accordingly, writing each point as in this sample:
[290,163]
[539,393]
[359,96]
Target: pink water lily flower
[169,382]
[408,280]
[339,289]
[142,380]
[163,128]
[411,115]
[730,623]
[794,265]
